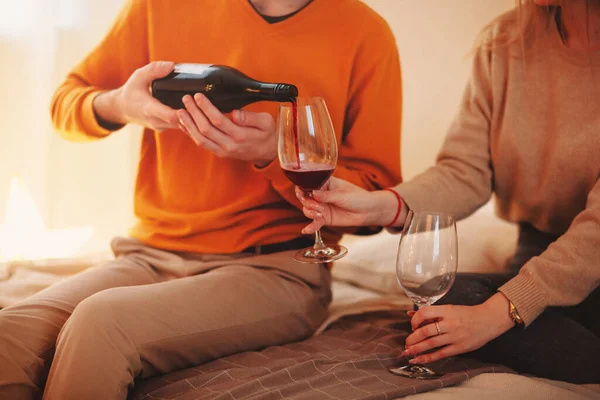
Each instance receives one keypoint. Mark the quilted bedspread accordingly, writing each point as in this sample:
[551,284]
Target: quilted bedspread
[347,361]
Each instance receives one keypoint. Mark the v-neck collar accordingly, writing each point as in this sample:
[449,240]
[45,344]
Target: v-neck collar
[277,19]
[297,18]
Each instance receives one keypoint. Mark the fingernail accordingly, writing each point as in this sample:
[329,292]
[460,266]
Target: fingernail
[240,115]
[414,361]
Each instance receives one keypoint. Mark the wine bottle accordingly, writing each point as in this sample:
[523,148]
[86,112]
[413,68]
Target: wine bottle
[227,88]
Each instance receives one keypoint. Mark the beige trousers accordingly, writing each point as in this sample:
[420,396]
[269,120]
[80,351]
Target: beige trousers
[150,312]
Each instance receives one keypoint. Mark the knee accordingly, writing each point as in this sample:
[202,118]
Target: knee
[97,315]
[21,369]
[5,331]
[470,289]
[8,336]
[13,330]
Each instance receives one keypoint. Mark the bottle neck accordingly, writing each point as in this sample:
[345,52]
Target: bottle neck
[275,91]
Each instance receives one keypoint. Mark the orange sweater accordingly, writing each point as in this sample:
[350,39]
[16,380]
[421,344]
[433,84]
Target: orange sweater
[186,198]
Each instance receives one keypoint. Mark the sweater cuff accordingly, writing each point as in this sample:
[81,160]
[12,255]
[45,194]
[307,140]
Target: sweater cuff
[413,196]
[524,294]
[90,123]
[274,173]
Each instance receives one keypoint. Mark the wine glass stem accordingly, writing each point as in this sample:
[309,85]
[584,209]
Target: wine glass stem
[319,245]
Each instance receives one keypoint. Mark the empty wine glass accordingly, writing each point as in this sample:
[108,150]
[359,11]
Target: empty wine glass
[426,267]
[308,155]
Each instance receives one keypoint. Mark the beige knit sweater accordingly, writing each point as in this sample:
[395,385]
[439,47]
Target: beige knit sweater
[528,130]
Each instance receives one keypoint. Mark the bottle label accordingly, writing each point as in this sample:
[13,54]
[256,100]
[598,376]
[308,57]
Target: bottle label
[196,69]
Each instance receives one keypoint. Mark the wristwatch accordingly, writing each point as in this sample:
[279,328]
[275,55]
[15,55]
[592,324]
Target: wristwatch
[514,314]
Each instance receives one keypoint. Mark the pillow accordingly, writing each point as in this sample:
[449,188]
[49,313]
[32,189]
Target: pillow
[485,245]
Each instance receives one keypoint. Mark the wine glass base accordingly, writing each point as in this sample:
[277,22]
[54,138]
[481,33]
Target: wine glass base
[415,372]
[310,255]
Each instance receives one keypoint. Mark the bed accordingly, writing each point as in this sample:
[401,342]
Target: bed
[349,360]
[348,356]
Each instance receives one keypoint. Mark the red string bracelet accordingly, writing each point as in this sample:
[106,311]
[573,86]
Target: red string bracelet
[399,207]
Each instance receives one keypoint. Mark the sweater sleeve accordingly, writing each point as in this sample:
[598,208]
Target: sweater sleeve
[123,50]
[369,154]
[567,272]
[461,180]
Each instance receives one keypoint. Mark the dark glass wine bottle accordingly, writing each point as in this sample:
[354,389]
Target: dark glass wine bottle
[227,88]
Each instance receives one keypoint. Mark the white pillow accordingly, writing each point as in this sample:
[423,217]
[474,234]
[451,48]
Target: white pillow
[485,245]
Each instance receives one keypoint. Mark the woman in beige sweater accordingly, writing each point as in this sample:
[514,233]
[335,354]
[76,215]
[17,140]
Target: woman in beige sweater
[528,131]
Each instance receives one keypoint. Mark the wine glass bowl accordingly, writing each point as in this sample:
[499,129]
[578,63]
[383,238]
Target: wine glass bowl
[308,156]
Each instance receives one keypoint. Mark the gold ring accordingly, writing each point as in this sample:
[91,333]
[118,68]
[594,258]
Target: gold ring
[438,328]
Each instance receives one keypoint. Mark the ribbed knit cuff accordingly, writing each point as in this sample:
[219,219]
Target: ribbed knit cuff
[274,173]
[413,195]
[524,294]
[91,126]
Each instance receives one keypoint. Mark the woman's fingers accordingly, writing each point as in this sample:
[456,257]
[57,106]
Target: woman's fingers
[444,352]
[328,196]
[427,314]
[429,344]
[307,202]
[312,227]
[426,338]
[423,333]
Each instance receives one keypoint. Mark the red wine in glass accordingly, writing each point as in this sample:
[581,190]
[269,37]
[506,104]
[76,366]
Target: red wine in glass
[308,176]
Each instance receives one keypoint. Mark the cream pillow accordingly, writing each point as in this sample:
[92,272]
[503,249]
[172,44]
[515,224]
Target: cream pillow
[485,245]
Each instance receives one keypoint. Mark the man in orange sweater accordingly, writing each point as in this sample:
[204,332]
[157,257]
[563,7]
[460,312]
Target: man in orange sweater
[208,269]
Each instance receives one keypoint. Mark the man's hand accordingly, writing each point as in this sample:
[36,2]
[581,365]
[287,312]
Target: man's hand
[133,103]
[246,136]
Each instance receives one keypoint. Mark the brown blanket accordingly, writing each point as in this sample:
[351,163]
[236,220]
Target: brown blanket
[348,361]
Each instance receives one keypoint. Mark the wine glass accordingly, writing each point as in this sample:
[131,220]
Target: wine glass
[308,155]
[426,267]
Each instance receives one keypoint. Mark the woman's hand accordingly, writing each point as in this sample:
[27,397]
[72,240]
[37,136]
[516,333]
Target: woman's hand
[461,329]
[247,136]
[340,203]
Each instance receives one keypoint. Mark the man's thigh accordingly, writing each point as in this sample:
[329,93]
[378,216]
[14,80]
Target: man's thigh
[29,329]
[189,321]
